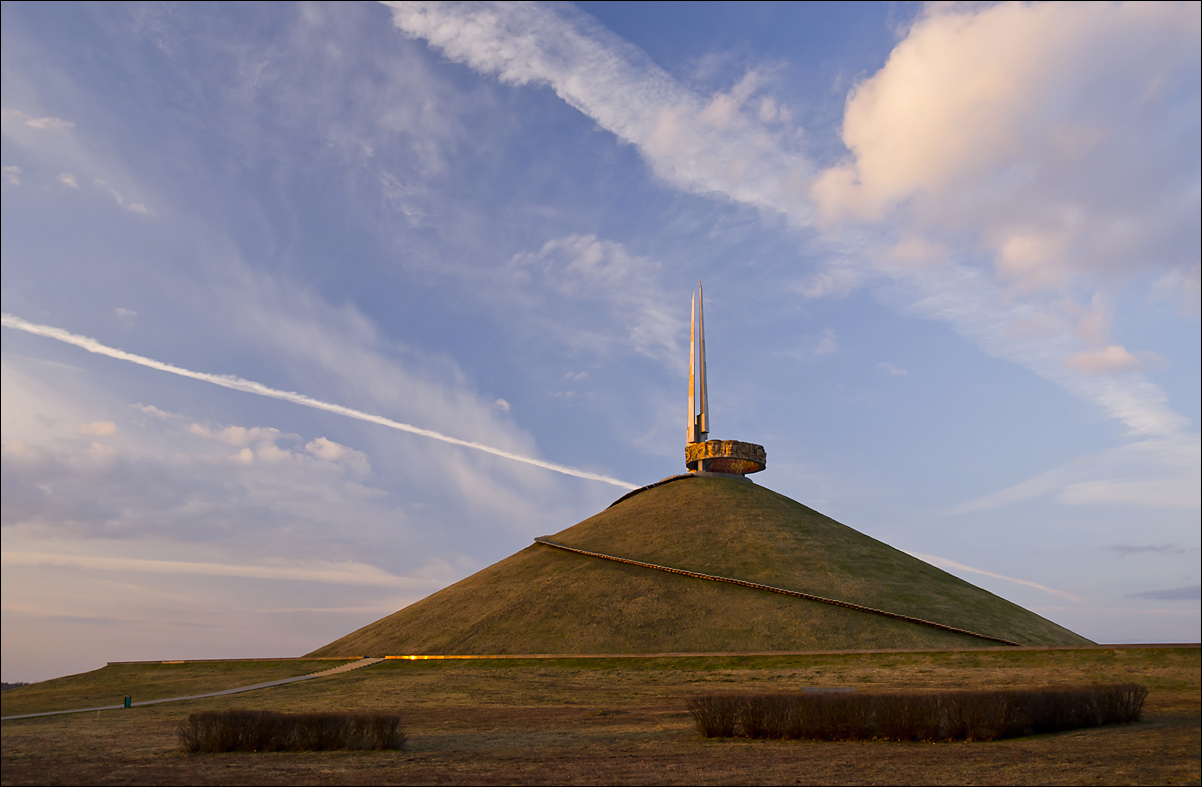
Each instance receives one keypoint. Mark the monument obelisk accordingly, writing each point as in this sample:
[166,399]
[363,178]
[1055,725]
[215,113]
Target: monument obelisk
[703,456]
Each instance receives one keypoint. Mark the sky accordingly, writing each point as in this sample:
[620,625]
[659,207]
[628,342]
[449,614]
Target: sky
[312,310]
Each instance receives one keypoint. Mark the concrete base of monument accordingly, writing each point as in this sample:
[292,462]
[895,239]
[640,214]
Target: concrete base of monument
[731,458]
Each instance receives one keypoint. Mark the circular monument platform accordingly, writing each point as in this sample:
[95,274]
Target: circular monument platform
[730,457]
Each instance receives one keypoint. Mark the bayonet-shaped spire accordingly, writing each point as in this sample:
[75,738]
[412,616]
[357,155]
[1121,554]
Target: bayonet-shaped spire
[698,393]
[702,455]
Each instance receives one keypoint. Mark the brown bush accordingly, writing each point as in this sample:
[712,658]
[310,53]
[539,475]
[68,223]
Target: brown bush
[251,730]
[716,716]
[918,716]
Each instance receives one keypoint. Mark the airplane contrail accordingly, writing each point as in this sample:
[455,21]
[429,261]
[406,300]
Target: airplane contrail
[943,562]
[250,386]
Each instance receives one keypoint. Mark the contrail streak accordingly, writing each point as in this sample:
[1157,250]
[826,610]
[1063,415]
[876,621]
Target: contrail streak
[249,386]
[945,563]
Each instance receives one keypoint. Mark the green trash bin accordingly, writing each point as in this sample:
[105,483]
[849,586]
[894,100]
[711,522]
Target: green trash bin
[129,701]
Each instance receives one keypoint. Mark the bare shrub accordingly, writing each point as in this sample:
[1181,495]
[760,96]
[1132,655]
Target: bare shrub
[767,715]
[918,716]
[250,730]
[715,715]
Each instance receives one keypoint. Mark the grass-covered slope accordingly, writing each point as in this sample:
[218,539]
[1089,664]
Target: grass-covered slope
[149,681]
[544,600]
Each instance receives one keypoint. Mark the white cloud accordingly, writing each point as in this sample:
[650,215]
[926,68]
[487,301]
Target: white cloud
[326,449]
[99,428]
[1179,493]
[579,269]
[133,207]
[833,281]
[1051,133]
[347,573]
[1183,285]
[1114,358]
[1059,150]
[1155,473]
[330,451]
[891,369]
[12,176]
[915,250]
[14,116]
[55,145]
[705,145]
[968,300]
[237,435]
[150,409]
[827,343]
[157,481]
[261,444]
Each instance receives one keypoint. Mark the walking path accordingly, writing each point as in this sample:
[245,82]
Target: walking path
[366,662]
[281,682]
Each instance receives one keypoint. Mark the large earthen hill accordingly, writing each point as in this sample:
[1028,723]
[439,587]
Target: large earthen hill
[549,600]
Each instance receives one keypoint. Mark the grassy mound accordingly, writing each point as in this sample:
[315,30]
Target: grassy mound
[542,600]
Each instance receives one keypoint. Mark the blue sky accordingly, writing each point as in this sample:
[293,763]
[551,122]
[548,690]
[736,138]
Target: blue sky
[951,260]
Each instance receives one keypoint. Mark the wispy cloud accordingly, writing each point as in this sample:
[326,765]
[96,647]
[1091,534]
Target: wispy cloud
[582,269]
[1162,549]
[249,386]
[16,116]
[976,306]
[54,145]
[99,428]
[1027,145]
[1107,478]
[1183,285]
[132,207]
[721,145]
[1187,593]
[704,144]
[827,343]
[1108,360]
[346,573]
[1161,493]
[810,347]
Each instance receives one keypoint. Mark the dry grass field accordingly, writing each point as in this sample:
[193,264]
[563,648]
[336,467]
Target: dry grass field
[621,721]
[108,686]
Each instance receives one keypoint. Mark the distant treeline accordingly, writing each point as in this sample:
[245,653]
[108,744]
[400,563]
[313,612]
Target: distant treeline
[257,730]
[7,686]
[917,716]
